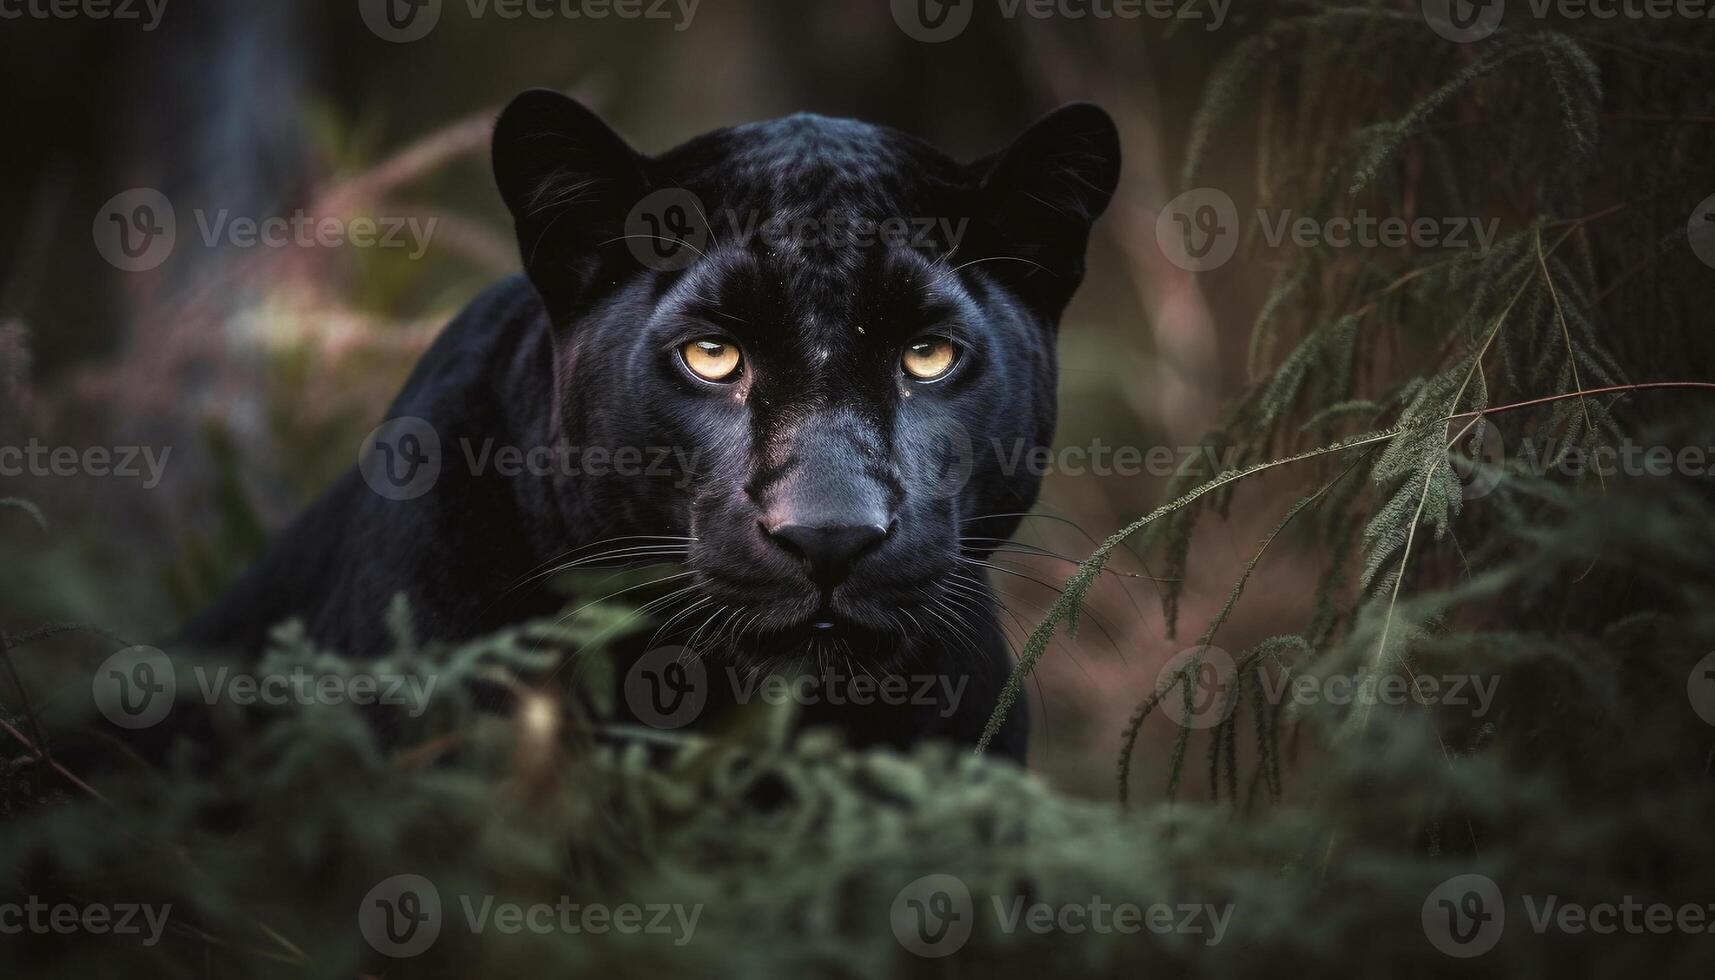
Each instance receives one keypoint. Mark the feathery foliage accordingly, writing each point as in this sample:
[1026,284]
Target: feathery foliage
[1425,352]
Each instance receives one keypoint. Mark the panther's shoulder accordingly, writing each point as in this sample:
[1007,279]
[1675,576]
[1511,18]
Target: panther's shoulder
[500,340]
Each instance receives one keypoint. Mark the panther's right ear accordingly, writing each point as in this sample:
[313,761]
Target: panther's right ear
[569,181]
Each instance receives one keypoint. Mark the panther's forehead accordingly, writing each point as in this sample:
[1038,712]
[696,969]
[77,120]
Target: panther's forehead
[808,165]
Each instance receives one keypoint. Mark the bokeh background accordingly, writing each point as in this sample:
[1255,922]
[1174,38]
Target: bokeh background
[262,368]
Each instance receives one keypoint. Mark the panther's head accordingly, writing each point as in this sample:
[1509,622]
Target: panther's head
[846,338]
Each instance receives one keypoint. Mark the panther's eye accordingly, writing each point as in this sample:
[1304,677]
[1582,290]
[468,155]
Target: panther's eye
[712,360]
[930,358]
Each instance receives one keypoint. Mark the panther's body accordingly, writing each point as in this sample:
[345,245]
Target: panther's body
[826,503]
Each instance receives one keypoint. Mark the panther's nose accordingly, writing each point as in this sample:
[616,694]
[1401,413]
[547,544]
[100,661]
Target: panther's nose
[828,550]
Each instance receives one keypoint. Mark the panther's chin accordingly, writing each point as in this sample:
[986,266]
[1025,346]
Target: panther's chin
[824,633]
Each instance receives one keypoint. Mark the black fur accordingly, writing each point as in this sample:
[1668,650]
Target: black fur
[583,352]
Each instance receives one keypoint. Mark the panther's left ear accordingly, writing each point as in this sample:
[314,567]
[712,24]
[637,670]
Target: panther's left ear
[1044,192]
[569,181]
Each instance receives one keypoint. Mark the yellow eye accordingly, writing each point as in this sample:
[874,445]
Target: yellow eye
[712,360]
[929,358]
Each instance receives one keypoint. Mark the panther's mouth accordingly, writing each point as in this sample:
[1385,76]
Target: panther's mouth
[750,615]
[786,630]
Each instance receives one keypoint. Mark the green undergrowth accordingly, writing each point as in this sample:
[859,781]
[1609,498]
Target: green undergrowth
[1588,781]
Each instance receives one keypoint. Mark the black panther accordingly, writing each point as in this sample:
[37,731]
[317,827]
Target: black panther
[829,324]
